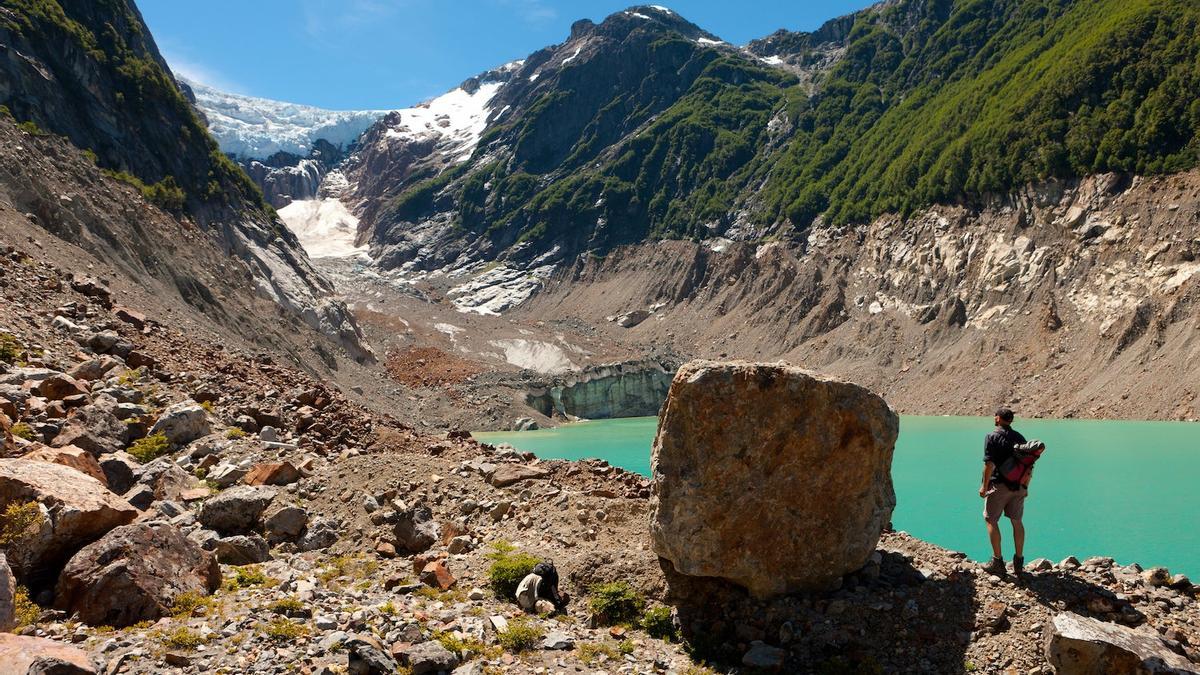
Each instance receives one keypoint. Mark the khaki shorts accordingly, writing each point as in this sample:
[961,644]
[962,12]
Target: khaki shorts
[1003,500]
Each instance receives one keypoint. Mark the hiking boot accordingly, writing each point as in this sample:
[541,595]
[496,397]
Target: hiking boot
[1018,565]
[995,566]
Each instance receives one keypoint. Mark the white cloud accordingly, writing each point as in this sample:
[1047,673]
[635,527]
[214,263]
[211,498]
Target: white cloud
[535,12]
[198,72]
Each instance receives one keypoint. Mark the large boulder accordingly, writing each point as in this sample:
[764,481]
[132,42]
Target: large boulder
[121,471]
[416,530]
[769,476]
[78,510]
[133,574]
[183,423]
[69,455]
[21,655]
[159,480]
[60,386]
[95,428]
[8,596]
[236,510]
[1077,645]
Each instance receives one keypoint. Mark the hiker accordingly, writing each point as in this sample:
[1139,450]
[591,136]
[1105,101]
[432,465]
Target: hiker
[1002,494]
[541,586]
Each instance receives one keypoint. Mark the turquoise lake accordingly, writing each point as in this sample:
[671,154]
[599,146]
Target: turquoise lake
[1115,488]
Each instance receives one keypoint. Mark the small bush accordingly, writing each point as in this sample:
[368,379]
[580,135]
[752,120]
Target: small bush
[508,569]
[234,433]
[287,606]
[25,611]
[191,603]
[22,430]
[658,624]
[354,567]
[183,638]
[150,448]
[284,630]
[10,348]
[130,377]
[19,520]
[616,603]
[592,653]
[208,407]
[522,635]
[165,194]
[32,129]
[247,576]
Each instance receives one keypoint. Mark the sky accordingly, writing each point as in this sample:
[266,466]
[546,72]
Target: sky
[382,54]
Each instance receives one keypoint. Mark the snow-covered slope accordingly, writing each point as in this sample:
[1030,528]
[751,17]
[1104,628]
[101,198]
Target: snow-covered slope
[454,120]
[256,128]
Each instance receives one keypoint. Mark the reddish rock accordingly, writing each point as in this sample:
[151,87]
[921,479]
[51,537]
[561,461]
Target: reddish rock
[437,575]
[7,444]
[94,369]
[20,655]
[129,316]
[283,473]
[420,561]
[133,574]
[78,508]
[57,387]
[137,359]
[510,474]
[69,455]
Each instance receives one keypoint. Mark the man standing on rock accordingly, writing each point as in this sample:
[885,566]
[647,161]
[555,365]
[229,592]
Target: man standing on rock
[1000,496]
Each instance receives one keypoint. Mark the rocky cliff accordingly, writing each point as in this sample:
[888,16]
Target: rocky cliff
[633,389]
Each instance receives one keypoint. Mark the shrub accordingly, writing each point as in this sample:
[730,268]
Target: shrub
[188,602]
[150,448]
[10,348]
[658,624]
[616,603]
[234,433]
[22,430]
[522,635]
[591,653]
[17,521]
[354,567]
[31,128]
[508,569]
[283,630]
[247,576]
[25,611]
[183,638]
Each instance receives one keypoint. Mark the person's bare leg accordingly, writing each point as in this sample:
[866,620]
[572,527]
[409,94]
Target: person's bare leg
[1018,538]
[994,535]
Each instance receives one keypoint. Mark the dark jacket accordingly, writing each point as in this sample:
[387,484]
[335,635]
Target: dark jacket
[998,447]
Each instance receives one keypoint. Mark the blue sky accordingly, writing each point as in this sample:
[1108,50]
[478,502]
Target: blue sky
[365,54]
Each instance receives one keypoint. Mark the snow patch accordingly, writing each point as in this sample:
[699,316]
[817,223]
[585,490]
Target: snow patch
[706,41]
[499,289]
[256,128]
[325,227]
[449,329]
[660,8]
[543,357]
[772,60]
[456,119]
[573,56]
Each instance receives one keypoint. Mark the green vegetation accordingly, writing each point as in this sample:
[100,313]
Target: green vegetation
[32,129]
[10,348]
[468,648]
[522,635]
[18,521]
[282,629]
[657,623]
[22,430]
[247,576]
[183,637]
[616,603]
[352,566]
[508,568]
[24,610]
[287,606]
[234,433]
[191,603]
[150,448]
[165,194]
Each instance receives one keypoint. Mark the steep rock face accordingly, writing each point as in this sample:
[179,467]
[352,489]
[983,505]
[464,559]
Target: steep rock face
[92,73]
[620,390]
[770,477]
[285,177]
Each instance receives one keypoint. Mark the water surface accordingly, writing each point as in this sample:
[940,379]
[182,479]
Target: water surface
[1116,488]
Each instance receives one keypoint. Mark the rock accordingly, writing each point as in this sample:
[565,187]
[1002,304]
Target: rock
[368,657]
[1157,576]
[21,655]
[558,640]
[242,549]
[437,575]
[134,574]
[73,457]
[806,458]
[78,510]
[283,473]
[95,428]
[121,471]
[633,318]
[236,510]
[94,369]
[162,479]
[416,530]
[284,522]
[764,656]
[8,596]
[321,533]
[183,423]
[1180,582]
[59,386]
[525,424]
[7,443]
[476,594]
[510,474]
[1040,565]
[225,475]
[428,657]
[131,317]
[1077,645]
[460,544]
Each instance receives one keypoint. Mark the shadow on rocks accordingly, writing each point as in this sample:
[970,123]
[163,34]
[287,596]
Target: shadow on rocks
[888,617]
[1068,592]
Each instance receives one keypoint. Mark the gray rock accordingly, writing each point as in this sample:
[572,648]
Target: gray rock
[242,550]
[121,471]
[183,423]
[429,657]
[368,657]
[1077,645]
[284,522]
[633,318]
[321,534]
[416,530]
[236,510]
[460,544]
[558,641]
[225,475]
[95,428]
[763,655]
[8,594]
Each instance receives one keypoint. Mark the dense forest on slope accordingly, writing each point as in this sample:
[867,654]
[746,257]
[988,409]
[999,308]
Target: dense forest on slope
[924,101]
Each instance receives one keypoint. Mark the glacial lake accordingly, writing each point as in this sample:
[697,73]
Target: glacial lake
[1115,488]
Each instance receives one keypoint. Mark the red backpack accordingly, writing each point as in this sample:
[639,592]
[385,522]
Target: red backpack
[1018,468]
